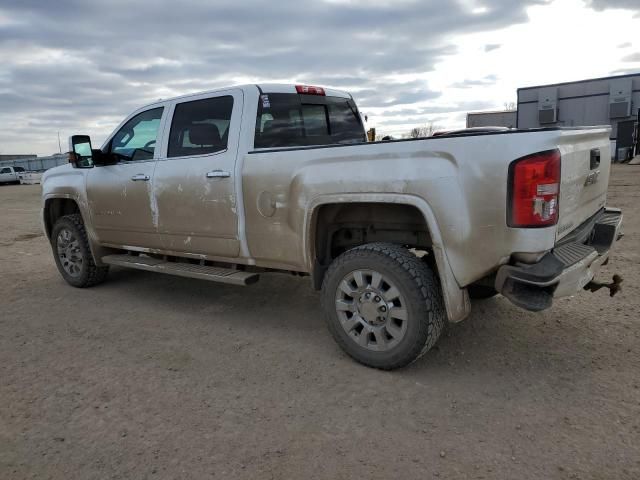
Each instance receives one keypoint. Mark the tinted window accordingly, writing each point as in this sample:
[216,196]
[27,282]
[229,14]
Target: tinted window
[200,127]
[18,169]
[292,120]
[5,170]
[136,140]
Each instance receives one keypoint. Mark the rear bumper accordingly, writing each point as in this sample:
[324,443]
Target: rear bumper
[566,269]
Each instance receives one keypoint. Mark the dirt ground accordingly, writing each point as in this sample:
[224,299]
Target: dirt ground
[151,376]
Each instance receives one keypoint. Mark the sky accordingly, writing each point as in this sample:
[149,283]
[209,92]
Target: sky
[80,67]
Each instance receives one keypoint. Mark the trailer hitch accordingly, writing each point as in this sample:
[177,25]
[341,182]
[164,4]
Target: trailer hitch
[614,287]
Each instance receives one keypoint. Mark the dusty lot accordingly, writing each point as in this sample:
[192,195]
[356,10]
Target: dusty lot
[151,376]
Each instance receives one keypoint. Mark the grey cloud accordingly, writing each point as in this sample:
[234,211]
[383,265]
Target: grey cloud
[624,71]
[491,47]
[634,57]
[104,58]
[478,82]
[605,4]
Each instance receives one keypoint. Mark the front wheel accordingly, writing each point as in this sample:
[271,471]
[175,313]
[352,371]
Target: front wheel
[73,255]
[383,305]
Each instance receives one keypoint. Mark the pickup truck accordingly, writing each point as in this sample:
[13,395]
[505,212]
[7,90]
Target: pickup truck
[397,235]
[11,174]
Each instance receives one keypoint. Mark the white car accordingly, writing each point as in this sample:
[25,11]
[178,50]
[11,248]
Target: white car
[11,174]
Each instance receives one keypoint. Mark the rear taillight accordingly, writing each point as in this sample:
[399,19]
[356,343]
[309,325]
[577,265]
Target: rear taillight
[534,187]
[309,90]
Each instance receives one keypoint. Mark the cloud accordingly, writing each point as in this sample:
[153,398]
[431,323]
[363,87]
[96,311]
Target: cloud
[491,47]
[606,4]
[75,66]
[479,82]
[634,57]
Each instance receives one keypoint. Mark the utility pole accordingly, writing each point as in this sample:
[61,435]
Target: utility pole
[59,144]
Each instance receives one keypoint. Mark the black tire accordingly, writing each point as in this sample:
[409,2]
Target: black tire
[88,274]
[481,292]
[421,293]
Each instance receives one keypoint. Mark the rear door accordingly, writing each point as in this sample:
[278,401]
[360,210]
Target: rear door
[586,161]
[120,196]
[194,178]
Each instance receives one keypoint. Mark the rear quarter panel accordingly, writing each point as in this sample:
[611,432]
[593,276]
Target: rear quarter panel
[459,183]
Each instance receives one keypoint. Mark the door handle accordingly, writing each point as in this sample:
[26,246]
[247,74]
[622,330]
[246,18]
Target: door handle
[218,174]
[140,177]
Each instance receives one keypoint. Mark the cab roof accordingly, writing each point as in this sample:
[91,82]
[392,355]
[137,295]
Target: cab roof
[253,88]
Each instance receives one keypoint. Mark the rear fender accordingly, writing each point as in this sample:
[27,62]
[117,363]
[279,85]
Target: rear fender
[456,299]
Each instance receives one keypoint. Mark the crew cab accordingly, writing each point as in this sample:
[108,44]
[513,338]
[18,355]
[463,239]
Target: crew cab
[233,183]
[11,174]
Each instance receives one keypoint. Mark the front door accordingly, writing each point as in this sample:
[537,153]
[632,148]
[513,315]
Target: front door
[120,196]
[6,175]
[194,178]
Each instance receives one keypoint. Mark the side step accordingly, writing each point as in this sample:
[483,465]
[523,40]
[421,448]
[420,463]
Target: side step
[203,272]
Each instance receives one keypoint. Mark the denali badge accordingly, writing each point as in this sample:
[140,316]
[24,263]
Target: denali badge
[592,178]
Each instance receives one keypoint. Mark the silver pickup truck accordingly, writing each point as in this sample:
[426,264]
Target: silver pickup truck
[398,235]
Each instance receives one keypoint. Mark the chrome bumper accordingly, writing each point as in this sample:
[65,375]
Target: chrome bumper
[566,269]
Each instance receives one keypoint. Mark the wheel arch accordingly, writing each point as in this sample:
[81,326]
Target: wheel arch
[58,206]
[411,208]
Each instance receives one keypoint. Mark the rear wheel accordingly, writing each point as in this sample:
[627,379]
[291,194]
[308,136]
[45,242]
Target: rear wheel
[383,305]
[73,255]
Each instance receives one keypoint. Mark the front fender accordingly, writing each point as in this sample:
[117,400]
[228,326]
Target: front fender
[66,182]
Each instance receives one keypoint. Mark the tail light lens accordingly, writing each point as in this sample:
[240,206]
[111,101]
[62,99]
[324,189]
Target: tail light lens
[534,187]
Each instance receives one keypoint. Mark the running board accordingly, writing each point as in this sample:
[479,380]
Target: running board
[190,270]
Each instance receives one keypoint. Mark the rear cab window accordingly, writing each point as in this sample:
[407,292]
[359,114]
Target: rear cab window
[297,120]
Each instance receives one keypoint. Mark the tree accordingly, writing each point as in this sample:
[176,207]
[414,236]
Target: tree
[510,106]
[424,131]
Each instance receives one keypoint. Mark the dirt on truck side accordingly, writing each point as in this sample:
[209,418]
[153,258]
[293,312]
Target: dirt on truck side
[153,376]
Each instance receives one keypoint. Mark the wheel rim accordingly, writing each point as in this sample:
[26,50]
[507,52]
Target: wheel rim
[69,252]
[371,310]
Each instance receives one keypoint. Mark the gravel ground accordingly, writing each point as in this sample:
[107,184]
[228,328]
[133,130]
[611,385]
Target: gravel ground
[151,376]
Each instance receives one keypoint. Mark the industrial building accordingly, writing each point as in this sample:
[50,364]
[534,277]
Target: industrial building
[33,163]
[613,101]
[501,118]
[599,101]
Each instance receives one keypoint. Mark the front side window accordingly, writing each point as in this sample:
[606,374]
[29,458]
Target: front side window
[5,170]
[136,140]
[292,120]
[200,127]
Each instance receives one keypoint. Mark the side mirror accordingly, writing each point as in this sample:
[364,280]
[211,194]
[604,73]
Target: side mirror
[80,154]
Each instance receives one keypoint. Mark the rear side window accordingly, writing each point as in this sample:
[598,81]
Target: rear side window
[200,127]
[18,169]
[292,120]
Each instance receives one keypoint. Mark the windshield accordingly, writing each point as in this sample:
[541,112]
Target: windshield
[292,120]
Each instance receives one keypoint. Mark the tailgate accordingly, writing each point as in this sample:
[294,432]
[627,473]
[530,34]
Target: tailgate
[586,161]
